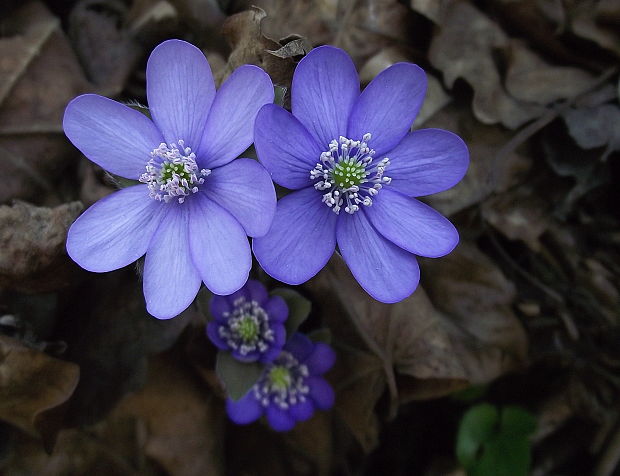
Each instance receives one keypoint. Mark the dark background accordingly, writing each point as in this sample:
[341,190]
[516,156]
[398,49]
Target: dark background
[524,312]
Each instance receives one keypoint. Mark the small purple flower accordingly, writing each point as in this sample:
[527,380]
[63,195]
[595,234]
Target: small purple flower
[195,207]
[291,387]
[249,324]
[354,168]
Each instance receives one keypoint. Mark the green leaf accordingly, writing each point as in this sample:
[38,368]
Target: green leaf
[321,335]
[517,421]
[298,309]
[237,377]
[494,443]
[279,93]
[476,428]
[470,394]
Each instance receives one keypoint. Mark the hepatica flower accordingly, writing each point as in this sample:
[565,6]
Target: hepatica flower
[291,387]
[249,324]
[195,206]
[354,168]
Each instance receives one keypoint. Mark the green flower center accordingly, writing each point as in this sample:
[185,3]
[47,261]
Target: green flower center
[279,377]
[170,169]
[347,174]
[248,329]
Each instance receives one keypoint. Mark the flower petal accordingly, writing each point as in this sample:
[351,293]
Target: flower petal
[412,225]
[388,106]
[300,346]
[279,419]
[244,188]
[285,147]
[171,281]
[321,392]
[218,306]
[302,411]
[301,239]
[230,127]
[220,248]
[112,135]
[321,359]
[213,333]
[115,231]
[388,273]
[180,91]
[245,410]
[325,87]
[257,291]
[276,308]
[427,161]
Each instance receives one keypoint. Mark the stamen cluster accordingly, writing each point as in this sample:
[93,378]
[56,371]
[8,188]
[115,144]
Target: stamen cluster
[172,172]
[283,383]
[347,171]
[247,328]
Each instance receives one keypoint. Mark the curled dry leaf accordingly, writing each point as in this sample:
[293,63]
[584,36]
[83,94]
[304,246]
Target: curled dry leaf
[32,385]
[244,33]
[36,59]
[32,246]
[464,48]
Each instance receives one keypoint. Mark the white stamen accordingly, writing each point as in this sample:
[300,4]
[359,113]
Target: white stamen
[172,172]
[347,173]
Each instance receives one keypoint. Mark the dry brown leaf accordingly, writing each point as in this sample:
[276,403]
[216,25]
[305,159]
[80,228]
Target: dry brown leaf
[519,214]
[39,74]
[182,422]
[103,42]
[464,48]
[484,143]
[32,385]
[243,31]
[531,79]
[434,10]
[32,246]
[469,288]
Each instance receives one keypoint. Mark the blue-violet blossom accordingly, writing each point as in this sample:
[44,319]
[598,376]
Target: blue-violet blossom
[291,387]
[354,167]
[249,324]
[195,206]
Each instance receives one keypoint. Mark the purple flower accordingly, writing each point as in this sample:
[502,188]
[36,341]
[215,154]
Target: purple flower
[249,324]
[291,387]
[195,206]
[354,168]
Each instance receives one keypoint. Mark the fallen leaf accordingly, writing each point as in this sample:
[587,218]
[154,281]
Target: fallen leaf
[183,423]
[110,335]
[464,48]
[519,214]
[32,385]
[244,33]
[36,59]
[531,79]
[32,247]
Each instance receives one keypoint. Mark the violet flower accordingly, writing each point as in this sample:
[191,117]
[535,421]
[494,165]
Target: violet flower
[354,166]
[291,387]
[195,206]
[249,324]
